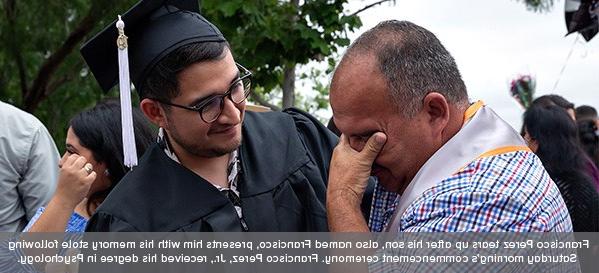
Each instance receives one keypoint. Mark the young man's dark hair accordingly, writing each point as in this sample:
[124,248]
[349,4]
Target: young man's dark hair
[161,82]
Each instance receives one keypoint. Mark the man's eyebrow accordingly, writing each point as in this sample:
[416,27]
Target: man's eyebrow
[214,93]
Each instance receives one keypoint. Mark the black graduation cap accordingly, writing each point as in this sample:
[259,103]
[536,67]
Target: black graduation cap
[154,28]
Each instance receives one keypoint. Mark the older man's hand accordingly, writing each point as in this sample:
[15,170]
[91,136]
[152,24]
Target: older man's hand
[348,178]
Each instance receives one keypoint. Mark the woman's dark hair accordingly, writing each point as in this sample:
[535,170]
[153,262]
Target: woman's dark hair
[589,140]
[557,137]
[99,129]
[553,99]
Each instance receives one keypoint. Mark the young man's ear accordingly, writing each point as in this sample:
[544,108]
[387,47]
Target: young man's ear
[154,111]
[436,110]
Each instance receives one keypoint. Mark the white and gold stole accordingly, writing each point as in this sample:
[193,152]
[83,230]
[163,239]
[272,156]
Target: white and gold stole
[483,134]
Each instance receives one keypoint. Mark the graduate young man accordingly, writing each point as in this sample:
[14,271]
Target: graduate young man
[444,164]
[215,167]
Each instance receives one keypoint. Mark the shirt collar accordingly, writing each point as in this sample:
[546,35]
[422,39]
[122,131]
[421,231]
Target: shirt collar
[233,169]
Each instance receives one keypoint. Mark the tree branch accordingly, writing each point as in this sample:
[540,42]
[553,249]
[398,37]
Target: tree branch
[369,6]
[55,84]
[260,100]
[3,92]
[47,70]
[289,86]
[11,15]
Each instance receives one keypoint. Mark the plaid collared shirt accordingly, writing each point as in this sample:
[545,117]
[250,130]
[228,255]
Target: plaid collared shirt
[506,192]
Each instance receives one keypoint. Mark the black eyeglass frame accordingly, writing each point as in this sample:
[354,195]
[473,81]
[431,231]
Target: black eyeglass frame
[246,74]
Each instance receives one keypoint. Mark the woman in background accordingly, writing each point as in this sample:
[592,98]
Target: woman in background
[90,168]
[589,139]
[552,136]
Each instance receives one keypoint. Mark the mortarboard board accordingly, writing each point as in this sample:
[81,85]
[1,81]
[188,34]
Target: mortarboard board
[155,29]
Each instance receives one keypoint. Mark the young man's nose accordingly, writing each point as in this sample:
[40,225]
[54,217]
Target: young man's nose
[231,113]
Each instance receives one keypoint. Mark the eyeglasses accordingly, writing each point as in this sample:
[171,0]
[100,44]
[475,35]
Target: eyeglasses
[210,108]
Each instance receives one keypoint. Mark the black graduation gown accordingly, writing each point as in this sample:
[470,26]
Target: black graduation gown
[285,159]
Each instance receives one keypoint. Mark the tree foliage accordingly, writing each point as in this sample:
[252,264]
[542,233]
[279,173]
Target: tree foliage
[538,5]
[272,36]
[43,73]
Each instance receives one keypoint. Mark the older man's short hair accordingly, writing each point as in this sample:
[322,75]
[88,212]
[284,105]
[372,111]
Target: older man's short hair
[413,62]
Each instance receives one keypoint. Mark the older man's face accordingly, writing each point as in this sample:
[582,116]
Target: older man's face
[362,106]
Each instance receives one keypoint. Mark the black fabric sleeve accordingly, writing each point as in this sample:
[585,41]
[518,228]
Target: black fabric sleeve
[318,140]
[104,222]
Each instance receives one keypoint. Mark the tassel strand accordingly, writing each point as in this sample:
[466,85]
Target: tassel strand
[129,149]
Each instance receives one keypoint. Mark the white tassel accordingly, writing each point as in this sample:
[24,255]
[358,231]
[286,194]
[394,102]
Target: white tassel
[129,149]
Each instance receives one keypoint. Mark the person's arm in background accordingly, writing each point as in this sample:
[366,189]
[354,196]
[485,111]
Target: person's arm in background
[74,183]
[40,177]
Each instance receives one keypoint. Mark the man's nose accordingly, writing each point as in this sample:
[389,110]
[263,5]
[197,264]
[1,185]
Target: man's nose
[231,112]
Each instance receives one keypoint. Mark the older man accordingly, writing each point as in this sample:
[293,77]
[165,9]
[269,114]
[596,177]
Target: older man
[443,163]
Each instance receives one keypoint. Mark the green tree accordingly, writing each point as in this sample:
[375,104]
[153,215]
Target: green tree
[273,37]
[42,71]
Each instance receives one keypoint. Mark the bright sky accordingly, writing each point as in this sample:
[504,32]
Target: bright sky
[494,40]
